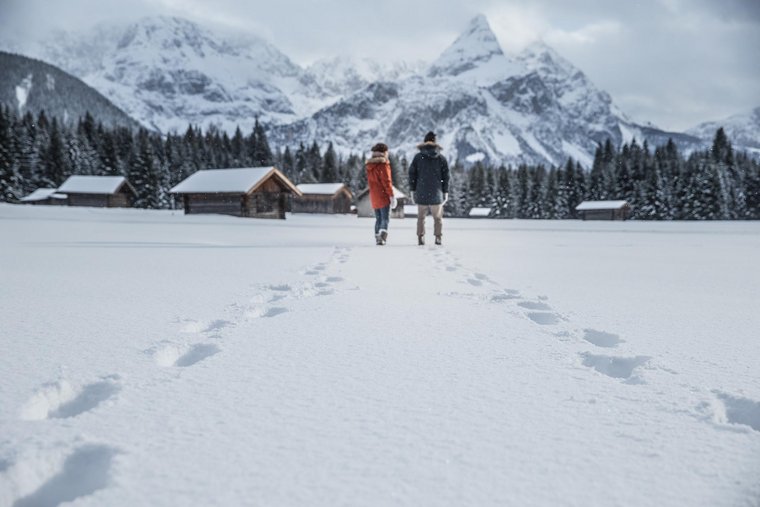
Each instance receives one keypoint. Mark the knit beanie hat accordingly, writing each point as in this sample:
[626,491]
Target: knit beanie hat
[430,137]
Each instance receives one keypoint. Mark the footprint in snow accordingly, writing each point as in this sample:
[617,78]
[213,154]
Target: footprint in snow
[183,355]
[534,305]
[543,318]
[474,282]
[274,311]
[601,338]
[737,410]
[615,367]
[333,279]
[505,295]
[60,400]
[85,471]
[217,325]
[281,288]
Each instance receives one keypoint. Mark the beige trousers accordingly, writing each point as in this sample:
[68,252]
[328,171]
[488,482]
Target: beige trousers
[434,209]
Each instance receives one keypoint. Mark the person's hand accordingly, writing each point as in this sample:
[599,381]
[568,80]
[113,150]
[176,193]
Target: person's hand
[445,197]
[394,202]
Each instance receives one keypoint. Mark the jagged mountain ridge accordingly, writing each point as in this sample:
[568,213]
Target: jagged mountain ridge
[742,129]
[168,72]
[534,107]
[28,85]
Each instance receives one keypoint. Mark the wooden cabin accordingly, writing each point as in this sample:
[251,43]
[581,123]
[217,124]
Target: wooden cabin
[98,191]
[45,197]
[604,210]
[256,192]
[322,198]
[479,212]
[364,205]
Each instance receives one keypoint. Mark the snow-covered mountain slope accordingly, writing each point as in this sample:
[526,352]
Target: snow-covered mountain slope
[535,107]
[28,85]
[742,129]
[168,72]
[343,75]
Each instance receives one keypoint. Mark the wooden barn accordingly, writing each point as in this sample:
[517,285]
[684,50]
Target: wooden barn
[257,192]
[479,212]
[45,196]
[322,198]
[98,191]
[604,210]
[364,206]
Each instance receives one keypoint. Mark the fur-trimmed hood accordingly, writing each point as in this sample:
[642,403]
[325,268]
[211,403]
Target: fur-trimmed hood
[377,158]
[430,144]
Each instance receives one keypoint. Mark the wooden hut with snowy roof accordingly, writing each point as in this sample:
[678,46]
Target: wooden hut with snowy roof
[98,191]
[45,196]
[323,198]
[480,212]
[257,192]
[364,206]
[604,210]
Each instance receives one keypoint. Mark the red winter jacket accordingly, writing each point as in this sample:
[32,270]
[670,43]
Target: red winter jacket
[380,182]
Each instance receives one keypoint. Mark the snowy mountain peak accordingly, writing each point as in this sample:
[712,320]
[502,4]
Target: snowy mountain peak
[539,56]
[477,45]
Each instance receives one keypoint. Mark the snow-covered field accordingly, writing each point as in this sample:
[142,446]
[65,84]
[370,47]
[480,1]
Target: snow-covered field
[152,358]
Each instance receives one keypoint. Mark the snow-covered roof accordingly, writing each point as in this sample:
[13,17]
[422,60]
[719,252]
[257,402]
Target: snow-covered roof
[92,184]
[320,188]
[231,181]
[39,195]
[598,205]
[480,212]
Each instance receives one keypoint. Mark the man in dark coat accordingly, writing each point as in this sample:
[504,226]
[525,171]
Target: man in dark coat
[429,183]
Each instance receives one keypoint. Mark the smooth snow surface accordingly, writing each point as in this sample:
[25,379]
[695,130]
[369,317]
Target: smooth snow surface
[320,188]
[39,195]
[91,184]
[223,180]
[153,358]
[597,205]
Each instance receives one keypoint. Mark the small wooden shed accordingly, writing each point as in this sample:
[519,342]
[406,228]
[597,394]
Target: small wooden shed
[323,198]
[98,191]
[257,192]
[45,197]
[364,205]
[604,210]
[479,212]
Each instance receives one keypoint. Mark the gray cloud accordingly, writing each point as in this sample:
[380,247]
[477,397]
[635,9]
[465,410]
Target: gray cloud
[672,62]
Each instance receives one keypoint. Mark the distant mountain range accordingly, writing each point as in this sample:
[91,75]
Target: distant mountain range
[534,107]
[28,85]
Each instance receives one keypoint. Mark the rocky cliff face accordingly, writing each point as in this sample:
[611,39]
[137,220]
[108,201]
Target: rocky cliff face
[533,107]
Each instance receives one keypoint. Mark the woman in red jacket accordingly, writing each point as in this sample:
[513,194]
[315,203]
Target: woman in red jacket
[380,190]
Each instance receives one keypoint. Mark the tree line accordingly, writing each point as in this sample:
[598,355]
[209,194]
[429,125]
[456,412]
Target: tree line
[660,184]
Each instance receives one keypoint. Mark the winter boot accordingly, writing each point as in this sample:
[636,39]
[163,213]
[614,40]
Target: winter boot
[437,240]
[421,240]
[378,239]
[383,236]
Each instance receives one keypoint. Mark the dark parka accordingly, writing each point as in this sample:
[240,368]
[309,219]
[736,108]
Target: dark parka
[429,175]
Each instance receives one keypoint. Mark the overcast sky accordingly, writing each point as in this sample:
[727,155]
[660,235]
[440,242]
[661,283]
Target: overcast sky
[675,63]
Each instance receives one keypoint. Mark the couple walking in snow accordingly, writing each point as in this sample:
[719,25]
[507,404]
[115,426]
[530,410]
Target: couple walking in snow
[428,182]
